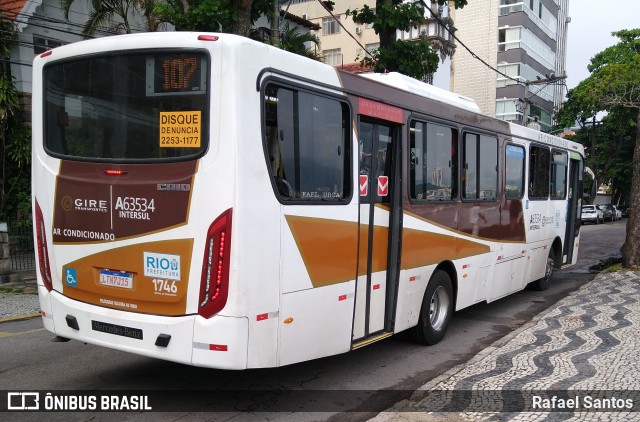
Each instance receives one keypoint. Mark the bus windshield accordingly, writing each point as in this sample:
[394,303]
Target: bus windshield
[130,107]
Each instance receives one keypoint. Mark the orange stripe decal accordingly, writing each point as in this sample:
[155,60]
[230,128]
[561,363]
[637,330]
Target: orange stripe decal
[421,248]
[329,248]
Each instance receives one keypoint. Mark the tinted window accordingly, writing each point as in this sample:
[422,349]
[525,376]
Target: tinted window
[433,158]
[480,172]
[559,174]
[539,161]
[133,106]
[514,179]
[307,142]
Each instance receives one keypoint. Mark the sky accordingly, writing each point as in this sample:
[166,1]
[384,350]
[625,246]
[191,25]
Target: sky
[592,22]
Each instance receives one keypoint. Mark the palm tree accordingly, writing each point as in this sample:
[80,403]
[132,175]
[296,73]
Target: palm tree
[115,15]
[296,41]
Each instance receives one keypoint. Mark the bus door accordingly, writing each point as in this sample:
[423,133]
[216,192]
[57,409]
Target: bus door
[574,205]
[379,233]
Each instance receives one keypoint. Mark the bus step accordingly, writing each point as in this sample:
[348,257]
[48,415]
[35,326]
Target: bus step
[370,340]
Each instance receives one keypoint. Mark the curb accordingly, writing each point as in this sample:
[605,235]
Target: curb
[20,317]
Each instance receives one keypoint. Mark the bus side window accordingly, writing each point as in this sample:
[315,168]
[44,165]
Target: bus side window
[306,137]
[539,167]
[514,178]
[279,137]
[433,172]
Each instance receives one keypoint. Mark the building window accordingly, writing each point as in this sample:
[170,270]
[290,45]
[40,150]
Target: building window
[372,47]
[330,26]
[41,44]
[519,37]
[433,156]
[332,57]
[509,109]
[512,70]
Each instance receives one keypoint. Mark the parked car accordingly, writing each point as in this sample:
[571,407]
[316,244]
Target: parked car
[609,213]
[624,209]
[592,214]
[618,212]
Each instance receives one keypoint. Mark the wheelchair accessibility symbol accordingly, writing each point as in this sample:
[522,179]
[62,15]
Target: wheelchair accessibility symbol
[70,277]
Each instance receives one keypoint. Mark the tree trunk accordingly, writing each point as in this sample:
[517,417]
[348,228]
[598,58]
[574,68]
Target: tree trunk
[631,248]
[275,23]
[387,37]
[243,25]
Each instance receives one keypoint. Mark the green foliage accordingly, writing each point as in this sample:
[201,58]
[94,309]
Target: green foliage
[7,33]
[614,80]
[412,58]
[15,140]
[209,15]
[113,15]
[18,146]
[389,15]
[614,142]
[614,86]
[206,15]
[294,40]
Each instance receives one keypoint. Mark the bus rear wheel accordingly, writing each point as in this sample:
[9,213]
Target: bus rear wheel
[436,310]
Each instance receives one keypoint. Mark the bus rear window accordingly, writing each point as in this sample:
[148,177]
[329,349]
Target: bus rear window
[127,107]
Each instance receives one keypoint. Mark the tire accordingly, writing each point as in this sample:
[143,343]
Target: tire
[543,283]
[436,310]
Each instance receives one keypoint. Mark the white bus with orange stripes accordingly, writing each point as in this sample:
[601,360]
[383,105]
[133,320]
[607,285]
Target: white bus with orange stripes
[211,200]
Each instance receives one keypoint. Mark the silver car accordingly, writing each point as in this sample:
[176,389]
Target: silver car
[592,214]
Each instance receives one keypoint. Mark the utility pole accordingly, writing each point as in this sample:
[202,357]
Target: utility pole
[548,80]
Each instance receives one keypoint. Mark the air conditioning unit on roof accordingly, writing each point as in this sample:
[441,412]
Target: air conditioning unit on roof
[358,30]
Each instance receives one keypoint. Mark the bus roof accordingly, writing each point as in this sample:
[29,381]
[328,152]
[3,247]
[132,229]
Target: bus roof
[405,83]
[523,132]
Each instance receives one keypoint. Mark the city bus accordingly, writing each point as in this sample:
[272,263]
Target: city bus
[214,201]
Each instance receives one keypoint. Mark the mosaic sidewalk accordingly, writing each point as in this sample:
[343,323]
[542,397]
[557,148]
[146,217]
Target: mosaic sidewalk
[577,361]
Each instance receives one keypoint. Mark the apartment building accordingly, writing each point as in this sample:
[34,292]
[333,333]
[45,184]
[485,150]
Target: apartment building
[524,39]
[336,45]
[338,48]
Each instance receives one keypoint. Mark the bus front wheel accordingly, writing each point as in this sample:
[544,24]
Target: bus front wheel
[543,283]
[436,310]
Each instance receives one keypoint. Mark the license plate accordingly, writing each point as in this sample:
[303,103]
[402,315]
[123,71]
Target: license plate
[118,330]
[116,279]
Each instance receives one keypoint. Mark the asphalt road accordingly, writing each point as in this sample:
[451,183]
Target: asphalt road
[365,380]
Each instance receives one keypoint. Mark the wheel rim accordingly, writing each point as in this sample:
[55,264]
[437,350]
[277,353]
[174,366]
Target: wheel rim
[439,308]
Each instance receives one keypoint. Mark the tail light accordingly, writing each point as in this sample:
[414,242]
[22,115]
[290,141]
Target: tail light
[214,285]
[43,252]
